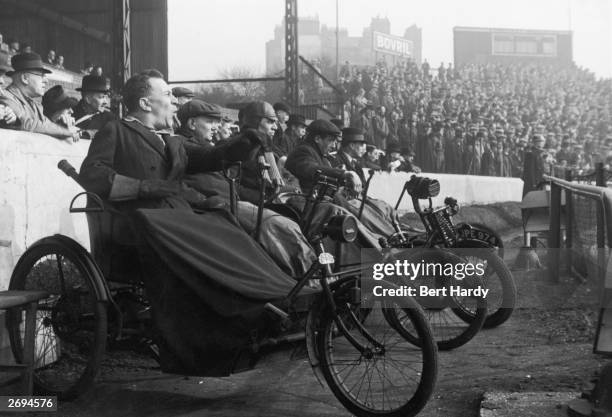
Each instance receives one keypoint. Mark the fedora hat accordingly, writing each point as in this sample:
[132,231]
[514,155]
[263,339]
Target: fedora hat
[94,83]
[27,61]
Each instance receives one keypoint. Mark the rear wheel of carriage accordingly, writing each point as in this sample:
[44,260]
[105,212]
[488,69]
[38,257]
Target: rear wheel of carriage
[391,376]
[498,279]
[71,323]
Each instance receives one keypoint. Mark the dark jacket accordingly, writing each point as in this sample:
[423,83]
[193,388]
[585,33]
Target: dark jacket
[305,161]
[130,149]
[94,123]
[354,165]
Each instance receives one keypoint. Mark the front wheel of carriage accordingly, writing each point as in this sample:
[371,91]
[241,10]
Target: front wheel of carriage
[71,324]
[389,375]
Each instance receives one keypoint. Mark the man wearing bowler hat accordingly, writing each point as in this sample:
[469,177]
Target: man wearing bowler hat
[29,82]
[7,116]
[92,112]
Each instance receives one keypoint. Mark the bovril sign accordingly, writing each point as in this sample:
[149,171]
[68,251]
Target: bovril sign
[392,44]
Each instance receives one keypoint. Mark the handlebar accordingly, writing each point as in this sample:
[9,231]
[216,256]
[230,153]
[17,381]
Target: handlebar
[69,170]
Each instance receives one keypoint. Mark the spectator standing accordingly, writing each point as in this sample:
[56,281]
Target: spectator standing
[51,58]
[380,128]
[59,63]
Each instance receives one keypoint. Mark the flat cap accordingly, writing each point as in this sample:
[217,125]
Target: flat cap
[352,134]
[197,107]
[282,107]
[182,92]
[323,127]
[296,120]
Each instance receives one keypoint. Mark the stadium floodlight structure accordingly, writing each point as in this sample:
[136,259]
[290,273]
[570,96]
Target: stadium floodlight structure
[291,52]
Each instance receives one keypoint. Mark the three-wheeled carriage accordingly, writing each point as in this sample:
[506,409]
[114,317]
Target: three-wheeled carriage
[373,364]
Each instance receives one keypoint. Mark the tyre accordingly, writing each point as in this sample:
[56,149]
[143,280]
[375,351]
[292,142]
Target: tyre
[71,323]
[498,279]
[392,377]
[443,311]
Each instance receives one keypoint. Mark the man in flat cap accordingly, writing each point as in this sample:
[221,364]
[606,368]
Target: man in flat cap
[199,122]
[7,115]
[29,82]
[296,130]
[93,110]
[183,95]
[280,236]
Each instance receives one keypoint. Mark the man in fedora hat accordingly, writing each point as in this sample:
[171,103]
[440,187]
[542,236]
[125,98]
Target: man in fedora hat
[296,129]
[92,111]
[7,115]
[183,94]
[29,82]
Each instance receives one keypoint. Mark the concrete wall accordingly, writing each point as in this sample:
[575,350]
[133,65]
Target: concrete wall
[35,195]
[467,189]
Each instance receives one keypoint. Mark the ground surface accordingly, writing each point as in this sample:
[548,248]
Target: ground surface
[545,346]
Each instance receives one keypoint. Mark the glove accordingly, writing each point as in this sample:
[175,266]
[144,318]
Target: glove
[158,188]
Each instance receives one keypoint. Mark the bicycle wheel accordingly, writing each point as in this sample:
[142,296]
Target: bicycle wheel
[498,279]
[441,310]
[70,324]
[396,378]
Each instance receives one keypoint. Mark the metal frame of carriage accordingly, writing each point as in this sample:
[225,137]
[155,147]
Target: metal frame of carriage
[75,319]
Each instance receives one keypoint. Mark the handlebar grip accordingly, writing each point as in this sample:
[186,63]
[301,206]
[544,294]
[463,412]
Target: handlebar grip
[69,170]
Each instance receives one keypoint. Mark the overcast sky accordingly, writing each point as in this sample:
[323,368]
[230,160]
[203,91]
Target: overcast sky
[208,36]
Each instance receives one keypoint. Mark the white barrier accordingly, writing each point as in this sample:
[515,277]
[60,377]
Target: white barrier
[467,189]
[35,195]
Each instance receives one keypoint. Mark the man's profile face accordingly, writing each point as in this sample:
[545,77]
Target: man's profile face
[326,143]
[163,103]
[283,116]
[300,131]
[267,126]
[357,149]
[98,101]
[204,127]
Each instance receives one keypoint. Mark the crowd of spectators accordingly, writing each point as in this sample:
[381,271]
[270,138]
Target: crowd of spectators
[14,46]
[480,119]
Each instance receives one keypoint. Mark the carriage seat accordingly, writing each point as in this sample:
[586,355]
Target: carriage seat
[113,243]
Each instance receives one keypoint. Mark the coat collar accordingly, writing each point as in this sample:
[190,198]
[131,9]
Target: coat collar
[149,137]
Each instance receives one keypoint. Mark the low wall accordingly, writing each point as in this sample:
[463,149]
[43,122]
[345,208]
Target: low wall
[35,195]
[467,189]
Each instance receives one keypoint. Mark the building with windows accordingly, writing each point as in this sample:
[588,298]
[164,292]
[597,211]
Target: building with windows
[317,42]
[481,45]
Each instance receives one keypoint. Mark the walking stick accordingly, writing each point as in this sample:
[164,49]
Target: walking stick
[364,194]
[263,171]
[231,178]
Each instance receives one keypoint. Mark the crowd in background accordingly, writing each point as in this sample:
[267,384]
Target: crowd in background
[13,46]
[480,119]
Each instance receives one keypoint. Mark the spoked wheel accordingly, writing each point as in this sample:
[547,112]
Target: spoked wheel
[389,376]
[442,309]
[498,279]
[70,325]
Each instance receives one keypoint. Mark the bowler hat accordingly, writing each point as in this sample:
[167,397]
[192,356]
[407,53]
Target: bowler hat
[323,127]
[94,83]
[196,108]
[182,92]
[27,61]
[352,134]
[56,99]
[296,120]
[4,62]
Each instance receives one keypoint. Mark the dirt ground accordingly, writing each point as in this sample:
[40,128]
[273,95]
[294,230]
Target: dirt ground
[545,346]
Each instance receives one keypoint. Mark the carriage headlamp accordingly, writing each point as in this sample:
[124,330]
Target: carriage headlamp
[423,187]
[342,228]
